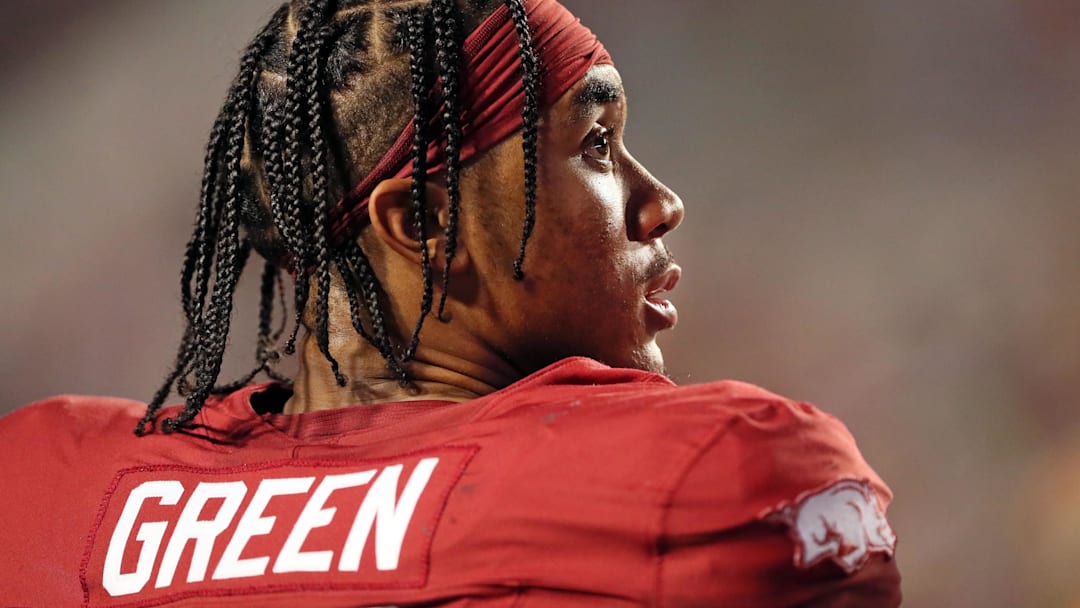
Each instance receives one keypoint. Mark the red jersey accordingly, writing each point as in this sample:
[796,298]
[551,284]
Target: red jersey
[580,485]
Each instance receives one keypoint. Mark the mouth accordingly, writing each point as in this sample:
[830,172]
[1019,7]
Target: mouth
[659,306]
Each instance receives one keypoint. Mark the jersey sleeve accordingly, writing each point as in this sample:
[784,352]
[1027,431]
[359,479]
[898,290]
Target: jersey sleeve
[779,509]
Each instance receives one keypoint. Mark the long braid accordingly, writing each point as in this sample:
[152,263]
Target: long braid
[448,59]
[420,86]
[231,256]
[196,259]
[354,299]
[200,251]
[273,168]
[321,195]
[273,356]
[211,213]
[270,136]
[295,140]
[530,114]
[369,289]
[264,345]
[265,354]
[195,254]
[199,255]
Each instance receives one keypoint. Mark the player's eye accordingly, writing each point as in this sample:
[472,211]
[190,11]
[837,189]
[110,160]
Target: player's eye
[598,145]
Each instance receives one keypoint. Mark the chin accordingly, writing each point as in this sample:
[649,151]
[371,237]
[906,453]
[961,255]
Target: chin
[647,358]
[654,365]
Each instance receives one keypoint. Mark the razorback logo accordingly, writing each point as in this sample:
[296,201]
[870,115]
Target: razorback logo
[842,522]
[168,532]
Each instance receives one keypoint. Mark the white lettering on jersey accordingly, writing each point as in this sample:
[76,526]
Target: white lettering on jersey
[150,535]
[291,558]
[253,523]
[203,531]
[390,519]
[381,512]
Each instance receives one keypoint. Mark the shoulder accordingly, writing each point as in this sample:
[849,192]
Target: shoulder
[766,440]
[764,456]
[73,438]
[72,415]
[780,499]
[740,429]
[66,435]
[738,415]
[754,451]
[775,448]
[756,448]
[763,500]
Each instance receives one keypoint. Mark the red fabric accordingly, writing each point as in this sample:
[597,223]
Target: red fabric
[580,485]
[492,94]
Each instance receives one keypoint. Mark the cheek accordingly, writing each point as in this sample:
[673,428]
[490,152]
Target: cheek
[596,268]
[581,229]
[582,252]
[600,235]
[585,205]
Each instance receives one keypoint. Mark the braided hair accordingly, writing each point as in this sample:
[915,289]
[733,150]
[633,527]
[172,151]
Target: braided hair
[321,93]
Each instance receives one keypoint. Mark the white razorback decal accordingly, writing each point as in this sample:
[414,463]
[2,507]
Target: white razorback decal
[843,522]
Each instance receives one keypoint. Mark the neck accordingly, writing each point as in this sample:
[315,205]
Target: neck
[434,374]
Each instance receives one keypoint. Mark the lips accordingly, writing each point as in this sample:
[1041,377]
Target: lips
[660,307]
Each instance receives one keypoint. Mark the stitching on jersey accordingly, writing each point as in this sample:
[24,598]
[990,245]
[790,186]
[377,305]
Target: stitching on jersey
[84,564]
[677,481]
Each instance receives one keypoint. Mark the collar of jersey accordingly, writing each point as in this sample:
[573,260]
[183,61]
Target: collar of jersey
[234,417]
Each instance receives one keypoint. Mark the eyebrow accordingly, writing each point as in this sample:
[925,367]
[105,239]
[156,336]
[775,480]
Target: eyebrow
[596,92]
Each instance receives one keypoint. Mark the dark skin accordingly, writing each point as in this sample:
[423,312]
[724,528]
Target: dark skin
[594,277]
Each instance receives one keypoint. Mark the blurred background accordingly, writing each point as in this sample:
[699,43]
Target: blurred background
[883,209]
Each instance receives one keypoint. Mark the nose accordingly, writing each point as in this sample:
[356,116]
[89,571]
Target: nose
[654,209]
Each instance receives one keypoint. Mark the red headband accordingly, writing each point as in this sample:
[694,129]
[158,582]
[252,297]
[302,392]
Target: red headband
[492,94]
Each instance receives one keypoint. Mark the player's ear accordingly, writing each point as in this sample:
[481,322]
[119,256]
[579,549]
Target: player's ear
[390,210]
